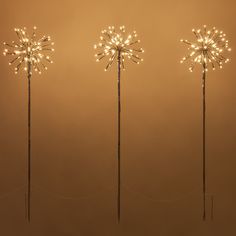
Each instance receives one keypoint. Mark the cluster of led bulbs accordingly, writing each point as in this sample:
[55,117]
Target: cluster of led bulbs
[29,51]
[208,49]
[117,45]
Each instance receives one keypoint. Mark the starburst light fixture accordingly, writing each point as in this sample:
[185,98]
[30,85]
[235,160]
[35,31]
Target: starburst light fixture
[29,51]
[118,45]
[32,54]
[208,50]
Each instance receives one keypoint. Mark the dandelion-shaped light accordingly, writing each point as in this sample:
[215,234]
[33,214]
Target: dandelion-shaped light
[117,46]
[208,51]
[28,51]
[32,55]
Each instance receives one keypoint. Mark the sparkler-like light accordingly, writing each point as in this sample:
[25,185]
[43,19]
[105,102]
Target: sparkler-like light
[29,51]
[114,44]
[208,49]
[117,45]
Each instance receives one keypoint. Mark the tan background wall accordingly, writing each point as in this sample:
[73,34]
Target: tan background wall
[74,124]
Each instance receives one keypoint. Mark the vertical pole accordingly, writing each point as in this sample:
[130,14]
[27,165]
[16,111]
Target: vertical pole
[204,140]
[29,143]
[119,111]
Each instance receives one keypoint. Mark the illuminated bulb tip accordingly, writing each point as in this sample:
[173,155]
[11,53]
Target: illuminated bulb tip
[34,27]
[105,70]
[25,68]
[95,46]
[229,49]
[193,30]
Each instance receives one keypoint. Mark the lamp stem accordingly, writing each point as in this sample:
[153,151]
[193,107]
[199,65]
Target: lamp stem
[204,139]
[119,111]
[29,143]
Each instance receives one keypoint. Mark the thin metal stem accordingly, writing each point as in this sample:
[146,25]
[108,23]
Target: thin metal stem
[119,111]
[29,144]
[204,140]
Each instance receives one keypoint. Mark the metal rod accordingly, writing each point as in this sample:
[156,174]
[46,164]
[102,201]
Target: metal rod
[204,140]
[29,144]
[119,122]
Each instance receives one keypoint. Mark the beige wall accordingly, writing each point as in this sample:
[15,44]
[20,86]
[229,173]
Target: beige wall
[74,124]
